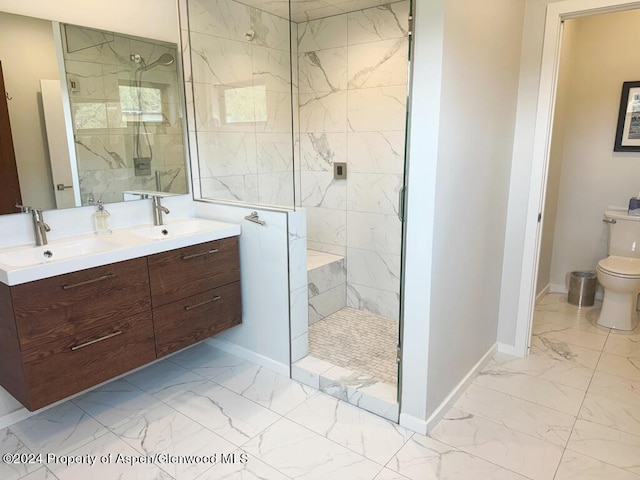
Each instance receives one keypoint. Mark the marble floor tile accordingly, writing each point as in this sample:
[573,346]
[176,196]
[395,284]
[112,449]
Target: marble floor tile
[9,443]
[308,369]
[206,360]
[508,448]
[387,474]
[246,467]
[578,320]
[538,390]
[116,402]
[624,345]
[424,458]
[627,367]
[575,466]
[612,413]
[606,444]
[265,387]
[164,379]
[373,437]
[58,430]
[224,412]
[163,430]
[114,451]
[511,412]
[615,387]
[305,455]
[572,336]
[40,474]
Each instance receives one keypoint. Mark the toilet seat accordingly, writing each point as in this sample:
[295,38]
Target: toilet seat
[623,267]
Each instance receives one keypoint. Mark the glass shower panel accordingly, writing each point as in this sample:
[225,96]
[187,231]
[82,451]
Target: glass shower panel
[241,84]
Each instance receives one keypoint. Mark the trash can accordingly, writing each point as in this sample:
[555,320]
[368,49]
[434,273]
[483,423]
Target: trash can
[582,288]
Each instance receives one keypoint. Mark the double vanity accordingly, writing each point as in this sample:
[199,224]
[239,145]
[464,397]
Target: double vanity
[79,311]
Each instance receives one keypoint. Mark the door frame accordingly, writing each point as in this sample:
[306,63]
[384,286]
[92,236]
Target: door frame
[557,12]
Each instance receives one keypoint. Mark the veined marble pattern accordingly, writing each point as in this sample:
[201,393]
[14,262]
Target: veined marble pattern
[321,34]
[319,151]
[378,152]
[323,70]
[377,109]
[320,189]
[381,23]
[503,433]
[378,64]
[323,112]
[374,269]
[373,193]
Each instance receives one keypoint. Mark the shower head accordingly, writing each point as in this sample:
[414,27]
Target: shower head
[165,60]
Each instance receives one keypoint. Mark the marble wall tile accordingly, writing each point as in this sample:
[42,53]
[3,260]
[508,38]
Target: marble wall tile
[575,466]
[299,452]
[351,427]
[374,269]
[319,151]
[219,61]
[323,70]
[326,277]
[532,457]
[220,18]
[326,303]
[526,417]
[606,444]
[325,225]
[297,261]
[323,112]
[323,33]
[272,69]
[380,23]
[271,31]
[275,115]
[240,188]
[372,231]
[225,154]
[538,390]
[340,250]
[101,152]
[319,189]
[377,109]
[374,192]
[378,64]
[210,110]
[275,189]
[224,412]
[299,347]
[299,312]
[308,370]
[376,152]
[90,78]
[423,457]
[380,302]
[274,152]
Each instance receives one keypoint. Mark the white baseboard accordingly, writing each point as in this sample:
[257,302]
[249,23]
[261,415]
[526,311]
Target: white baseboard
[414,424]
[541,295]
[506,348]
[250,355]
[444,407]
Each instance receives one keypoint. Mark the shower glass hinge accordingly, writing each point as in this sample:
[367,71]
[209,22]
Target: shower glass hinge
[398,355]
[410,31]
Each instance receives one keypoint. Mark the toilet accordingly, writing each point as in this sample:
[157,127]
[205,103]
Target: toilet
[619,273]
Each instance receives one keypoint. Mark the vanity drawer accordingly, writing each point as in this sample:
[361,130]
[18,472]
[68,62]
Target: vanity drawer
[195,318]
[69,365]
[188,271]
[62,306]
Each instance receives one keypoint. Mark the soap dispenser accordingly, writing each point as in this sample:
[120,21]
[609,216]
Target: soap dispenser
[101,220]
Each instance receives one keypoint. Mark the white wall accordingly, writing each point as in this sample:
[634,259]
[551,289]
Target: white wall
[593,177]
[145,18]
[27,53]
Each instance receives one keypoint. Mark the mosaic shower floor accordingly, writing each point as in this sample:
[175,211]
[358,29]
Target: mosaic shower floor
[360,341]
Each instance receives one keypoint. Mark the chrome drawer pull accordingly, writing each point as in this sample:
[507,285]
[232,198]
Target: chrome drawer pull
[202,254]
[191,307]
[88,282]
[91,342]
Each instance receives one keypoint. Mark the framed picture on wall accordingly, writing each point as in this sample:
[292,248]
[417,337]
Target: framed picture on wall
[628,131]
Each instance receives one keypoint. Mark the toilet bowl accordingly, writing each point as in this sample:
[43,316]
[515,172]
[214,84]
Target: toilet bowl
[620,278]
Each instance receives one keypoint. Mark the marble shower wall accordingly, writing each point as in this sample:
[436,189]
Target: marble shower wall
[352,93]
[99,64]
[241,81]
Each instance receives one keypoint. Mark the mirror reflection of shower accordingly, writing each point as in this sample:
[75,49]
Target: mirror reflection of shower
[142,164]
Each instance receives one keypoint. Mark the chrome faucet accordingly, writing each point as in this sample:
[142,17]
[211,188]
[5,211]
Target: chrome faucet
[39,226]
[158,209]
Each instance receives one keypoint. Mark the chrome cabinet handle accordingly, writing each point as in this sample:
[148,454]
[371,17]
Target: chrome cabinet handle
[255,218]
[91,342]
[88,282]
[201,254]
[191,307]
[609,220]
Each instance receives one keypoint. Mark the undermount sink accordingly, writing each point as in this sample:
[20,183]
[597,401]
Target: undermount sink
[171,230]
[28,256]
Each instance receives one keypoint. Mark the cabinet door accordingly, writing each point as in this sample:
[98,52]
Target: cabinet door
[71,364]
[65,305]
[195,318]
[188,271]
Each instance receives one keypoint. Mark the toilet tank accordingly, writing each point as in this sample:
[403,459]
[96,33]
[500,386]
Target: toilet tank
[624,234]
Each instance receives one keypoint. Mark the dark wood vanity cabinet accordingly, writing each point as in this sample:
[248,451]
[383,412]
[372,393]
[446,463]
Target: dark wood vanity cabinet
[63,334]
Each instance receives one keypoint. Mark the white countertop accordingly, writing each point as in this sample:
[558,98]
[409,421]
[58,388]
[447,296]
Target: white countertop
[126,245]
